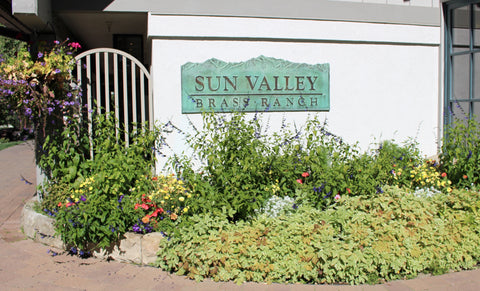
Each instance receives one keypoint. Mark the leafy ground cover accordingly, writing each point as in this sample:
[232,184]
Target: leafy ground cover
[359,239]
[301,206]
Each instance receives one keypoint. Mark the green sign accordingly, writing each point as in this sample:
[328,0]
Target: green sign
[260,84]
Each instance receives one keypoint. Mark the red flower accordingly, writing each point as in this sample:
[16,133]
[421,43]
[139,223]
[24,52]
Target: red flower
[305,174]
[157,212]
[349,191]
[69,204]
[300,181]
[155,178]
[465,176]
[443,175]
[59,204]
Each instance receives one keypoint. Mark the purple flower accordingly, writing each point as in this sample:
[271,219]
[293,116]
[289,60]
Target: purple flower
[50,110]
[28,111]
[83,198]
[56,42]
[40,55]
[57,71]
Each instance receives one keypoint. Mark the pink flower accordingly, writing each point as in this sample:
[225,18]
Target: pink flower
[300,181]
[443,175]
[337,197]
[75,45]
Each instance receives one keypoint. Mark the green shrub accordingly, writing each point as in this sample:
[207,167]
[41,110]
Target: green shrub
[460,155]
[360,239]
[91,198]
[237,165]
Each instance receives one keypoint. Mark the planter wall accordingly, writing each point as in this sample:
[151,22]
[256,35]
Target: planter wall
[133,248]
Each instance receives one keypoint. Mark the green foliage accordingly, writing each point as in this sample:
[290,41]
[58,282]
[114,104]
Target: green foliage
[359,239]
[8,50]
[39,89]
[241,165]
[98,218]
[235,169]
[460,155]
[9,47]
[91,197]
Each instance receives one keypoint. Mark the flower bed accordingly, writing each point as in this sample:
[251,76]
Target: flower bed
[248,204]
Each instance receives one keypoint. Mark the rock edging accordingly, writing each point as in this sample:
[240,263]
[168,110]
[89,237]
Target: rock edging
[133,248]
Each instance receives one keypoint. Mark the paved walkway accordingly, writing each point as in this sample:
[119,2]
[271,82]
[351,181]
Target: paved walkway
[25,265]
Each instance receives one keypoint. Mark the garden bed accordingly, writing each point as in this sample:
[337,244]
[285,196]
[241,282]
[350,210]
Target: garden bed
[133,248]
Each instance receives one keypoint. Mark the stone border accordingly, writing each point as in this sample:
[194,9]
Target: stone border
[133,248]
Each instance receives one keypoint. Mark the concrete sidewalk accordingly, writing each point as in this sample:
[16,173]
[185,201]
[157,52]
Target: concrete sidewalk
[25,265]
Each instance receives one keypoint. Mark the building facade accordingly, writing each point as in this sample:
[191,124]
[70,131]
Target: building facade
[398,69]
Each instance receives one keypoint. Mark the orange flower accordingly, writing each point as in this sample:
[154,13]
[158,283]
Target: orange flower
[146,219]
[154,178]
[349,191]
[173,216]
[465,176]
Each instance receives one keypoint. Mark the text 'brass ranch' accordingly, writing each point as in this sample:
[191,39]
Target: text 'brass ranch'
[260,84]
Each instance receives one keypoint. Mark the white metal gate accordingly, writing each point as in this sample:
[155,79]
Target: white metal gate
[113,80]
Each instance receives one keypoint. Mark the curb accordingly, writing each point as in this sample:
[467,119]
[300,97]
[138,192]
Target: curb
[132,248]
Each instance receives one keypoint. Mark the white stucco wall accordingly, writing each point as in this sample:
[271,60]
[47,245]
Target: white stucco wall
[384,79]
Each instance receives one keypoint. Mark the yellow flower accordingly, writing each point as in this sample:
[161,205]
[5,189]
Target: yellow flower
[185,210]
[181,199]
[90,188]
[189,195]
